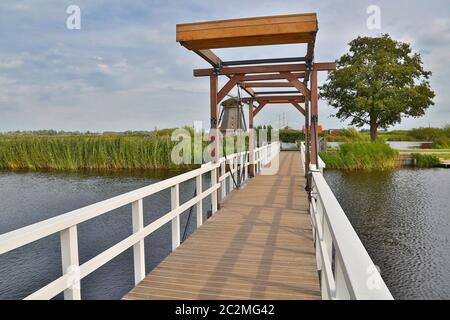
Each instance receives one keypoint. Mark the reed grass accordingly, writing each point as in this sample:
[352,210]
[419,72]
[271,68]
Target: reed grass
[96,152]
[367,156]
[426,160]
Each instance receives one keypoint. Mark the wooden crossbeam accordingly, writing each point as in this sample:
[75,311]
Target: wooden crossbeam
[267,85]
[280,97]
[275,99]
[297,84]
[209,57]
[259,108]
[228,86]
[299,107]
[274,76]
[324,66]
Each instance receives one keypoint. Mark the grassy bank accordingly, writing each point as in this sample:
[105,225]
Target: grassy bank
[96,152]
[426,160]
[361,156]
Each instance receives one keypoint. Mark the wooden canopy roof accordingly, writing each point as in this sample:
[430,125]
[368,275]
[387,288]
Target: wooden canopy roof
[294,28]
[201,37]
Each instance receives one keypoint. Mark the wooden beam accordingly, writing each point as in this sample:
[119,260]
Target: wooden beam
[297,84]
[228,86]
[325,66]
[267,85]
[299,107]
[259,108]
[272,100]
[249,91]
[214,112]
[280,97]
[314,119]
[209,57]
[284,29]
[251,144]
[274,76]
[251,69]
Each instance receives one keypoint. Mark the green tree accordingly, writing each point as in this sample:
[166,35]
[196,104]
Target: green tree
[378,82]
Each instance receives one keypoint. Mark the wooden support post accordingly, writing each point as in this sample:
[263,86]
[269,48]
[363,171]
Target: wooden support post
[307,138]
[251,143]
[214,110]
[137,209]
[314,119]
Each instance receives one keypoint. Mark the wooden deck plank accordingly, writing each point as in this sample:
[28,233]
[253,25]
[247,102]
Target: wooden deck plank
[258,246]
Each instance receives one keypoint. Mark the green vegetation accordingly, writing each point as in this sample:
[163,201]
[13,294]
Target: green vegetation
[97,152]
[443,156]
[377,83]
[361,156]
[425,150]
[426,160]
[346,135]
[439,137]
[291,135]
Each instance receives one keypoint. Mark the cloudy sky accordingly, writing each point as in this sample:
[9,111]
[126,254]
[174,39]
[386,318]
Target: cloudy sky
[124,71]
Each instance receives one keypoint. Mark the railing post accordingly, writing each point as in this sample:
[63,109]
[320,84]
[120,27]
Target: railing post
[70,262]
[199,205]
[214,194]
[341,286]
[230,181]
[175,203]
[235,169]
[137,209]
[256,162]
[223,183]
[245,167]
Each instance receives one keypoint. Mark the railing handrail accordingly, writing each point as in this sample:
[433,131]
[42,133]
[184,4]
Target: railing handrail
[355,276]
[20,237]
[66,224]
[357,265]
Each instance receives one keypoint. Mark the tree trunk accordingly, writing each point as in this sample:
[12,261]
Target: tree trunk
[373,130]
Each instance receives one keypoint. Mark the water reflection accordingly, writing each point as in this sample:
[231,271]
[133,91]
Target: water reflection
[403,219]
[29,197]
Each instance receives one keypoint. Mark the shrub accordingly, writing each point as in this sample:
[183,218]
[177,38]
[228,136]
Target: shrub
[427,134]
[290,135]
[426,160]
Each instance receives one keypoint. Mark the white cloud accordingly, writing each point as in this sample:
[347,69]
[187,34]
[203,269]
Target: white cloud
[10,64]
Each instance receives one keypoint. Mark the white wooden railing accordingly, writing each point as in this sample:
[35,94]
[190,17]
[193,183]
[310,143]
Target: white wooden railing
[66,224]
[346,269]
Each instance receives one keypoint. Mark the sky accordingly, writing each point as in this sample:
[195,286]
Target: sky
[123,70]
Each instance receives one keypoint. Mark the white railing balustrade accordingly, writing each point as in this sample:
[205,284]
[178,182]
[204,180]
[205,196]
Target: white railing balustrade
[66,224]
[346,269]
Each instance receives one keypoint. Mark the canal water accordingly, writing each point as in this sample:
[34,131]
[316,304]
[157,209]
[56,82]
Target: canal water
[403,220]
[398,145]
[402,217]
[30,197]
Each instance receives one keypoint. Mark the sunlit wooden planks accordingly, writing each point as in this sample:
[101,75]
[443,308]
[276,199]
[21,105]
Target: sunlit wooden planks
[270,30]
[258,246]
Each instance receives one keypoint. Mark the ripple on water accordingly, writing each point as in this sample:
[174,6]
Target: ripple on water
[403,219]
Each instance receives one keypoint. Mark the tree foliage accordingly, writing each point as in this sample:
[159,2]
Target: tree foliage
[377,83]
